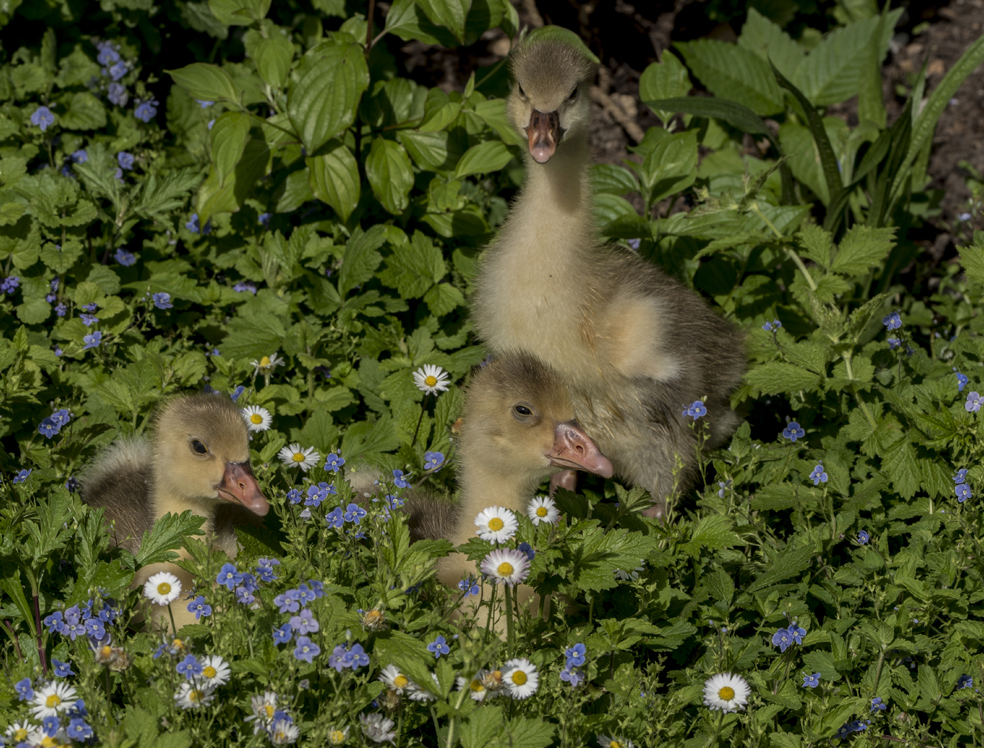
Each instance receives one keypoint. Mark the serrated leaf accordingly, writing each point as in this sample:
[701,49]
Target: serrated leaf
[324,99]
[334,179]
[492,155]
[899,463]
[713,532]
[862,248]
[792,562]
[34,311]
[776,377]
[816,244]
[732,72]
[206,82]
[414,267]
[228,135]
[60,259]
[390,174]
[361,258]
[972,261]
[443,298]
[83,112]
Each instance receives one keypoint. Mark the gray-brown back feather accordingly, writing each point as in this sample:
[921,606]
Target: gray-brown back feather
[120,481]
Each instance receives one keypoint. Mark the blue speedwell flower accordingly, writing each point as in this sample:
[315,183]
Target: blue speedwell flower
[965,681]
[62,669]
[117,94]
[244,286]
[189,667]
[575,655]
[797,633]
[695,410]
[573,676]
[863,537]
[961,476]
[306,649]
[195,227]
[782,639]
[283,634]
[146,110]
[333,462]
[24,690]
[772,326]
[335,518]
[88,319]
[9,284]
[78,730]
[892,321]
[42,117]
[894,343]
[961,381]
[438,647]
[963,492]
[877,705]
[433,460]
[126,259]
[469,586]
[811,681]
[92,340]
[22,476]
[162,300]
[973,403]
[48,428]
[228,577]
[793,431]
[125,160]
[199,607]
[399,480]
[818,475]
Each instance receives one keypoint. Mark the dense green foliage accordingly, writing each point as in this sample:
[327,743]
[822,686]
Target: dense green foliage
[293,195]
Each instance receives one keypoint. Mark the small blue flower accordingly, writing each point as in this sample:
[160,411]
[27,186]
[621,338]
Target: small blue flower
[358,656]
[797,633]
[88,319]
[264,219]
[317,588]
[818,475]
[433,460]
[306,649]
[811,681]
[228,577]
[772,326]
[877,705]
[573,676]
[335,518]
[62,669]
[117,94]
[78,157]
[107,54]
[394,502]
[48,428]
[146,110]
[973,403]
[61,310]
[125,160]
[354,513]
[333,462]
[50,726]
[304,623]
[24,690]
[965,681]
[283,634]
[203,103]
[695,410]
[961,381]
[42,117]
[469,586]
[963,492]
[287,603]
[9,284]
[294,496]
[22,476]
[244,596]
[894,343]
[199,607]
[78,730]
[162,300]
[55,622]
[793,431]
[961,476]
[244,286]
[195,227]
[117,70]
[863,537]
[575,655]
[400,481]
[438,647]
[189,667]
[126,259]
[782,639]
[92,340]
[527,549]
[893,321]
[237,392]
[94,628]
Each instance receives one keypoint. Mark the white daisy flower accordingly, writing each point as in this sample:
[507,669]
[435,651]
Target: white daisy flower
[193,695]
[521,678]
[263,706]
[53,699]
[431,379]
[496,523]
[625,576]
[266,364]
[294,456]
[284,732]
[377,728]
[416,693]
[506,565]
[162,588]
[477,688]
[726,692]
[337,737]
[606,742]
[393,678]
[18,732]
[215,672]
[543,509]
[257,418]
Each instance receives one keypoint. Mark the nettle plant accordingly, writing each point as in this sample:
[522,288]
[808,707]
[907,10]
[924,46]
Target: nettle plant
[298,226]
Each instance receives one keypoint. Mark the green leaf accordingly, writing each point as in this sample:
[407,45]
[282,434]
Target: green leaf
[414,267]
[239,12]
[776,377]
[407,20]
[215,197]
[732,72]
[670,167]
[228,135]
[324,99]
[34,311]
[334,179]
[361,259]
[900,465]
[273,56]
[483,158]
[804,159]
[816,244]
[713,532]
[450,14]
[862,248]
[206,82]
[612,179]
[390,174]
[83,112]
[871,104]
[768,41]
[972,261]
[167,535]
[792,562]
[666,79]
[443,298]
[365,437]
[61,259]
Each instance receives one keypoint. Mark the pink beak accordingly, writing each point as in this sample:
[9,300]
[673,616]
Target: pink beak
[544,134]
[238,486]
[572,448]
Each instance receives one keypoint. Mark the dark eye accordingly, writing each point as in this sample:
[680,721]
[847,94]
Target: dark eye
[521,91]
[199,447]
[573,95]
[522,410]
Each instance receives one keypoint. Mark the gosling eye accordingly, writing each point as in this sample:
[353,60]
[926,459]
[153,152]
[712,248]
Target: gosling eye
[198,446]
[573,96]
[522,410]
[521,91]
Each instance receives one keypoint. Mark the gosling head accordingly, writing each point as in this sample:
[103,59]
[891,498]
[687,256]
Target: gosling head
[202,454]
[549,101]
[519,420]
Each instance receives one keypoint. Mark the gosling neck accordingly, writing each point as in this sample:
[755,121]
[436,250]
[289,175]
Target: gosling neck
[163,501]
[484,484]
[557,194]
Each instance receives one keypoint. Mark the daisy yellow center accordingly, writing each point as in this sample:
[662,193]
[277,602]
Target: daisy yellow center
[430,380]
[20,734]
[177,644]
[268,708]
[194,695]
[106,651]
[163,588]
[298,457]
[256,418]
[496,524]
[541,511]
[209,672]
[336,737]
[614,744]
[48,742]
[265,361]
[401,681]
[519,678]
[726,694]
[505,569]
[53,701]
[476,686]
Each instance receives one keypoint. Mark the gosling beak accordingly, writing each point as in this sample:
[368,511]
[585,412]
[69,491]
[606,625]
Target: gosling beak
[572,448]
[238,486]
[544,133]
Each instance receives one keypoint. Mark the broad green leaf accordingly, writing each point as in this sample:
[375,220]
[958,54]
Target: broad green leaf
[862,248]
[390,174]
[323,101]
[414,267]
[732,72]
[407,20]
[83,112]
[666,79]
[670,167]
[429,150]
[483,158]
[228,135]
[612,179]
[972,261]
[34,311]
[768,41]
[273,56]
[776,377]
[793,561]
[239,12]
[713,532]
[206,82]
[900,465]
[451,14]
[361,259]
[60,259]
[334,178]
[804,158]
[871,104]
[215,197]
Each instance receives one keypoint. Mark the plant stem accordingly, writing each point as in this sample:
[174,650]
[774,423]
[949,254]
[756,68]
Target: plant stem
[37,623]
[717,730]
[509,595]
[369,15]
[423,409]
[861,403]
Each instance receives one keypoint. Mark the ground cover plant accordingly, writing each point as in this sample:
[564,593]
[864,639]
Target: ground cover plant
[281,216]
